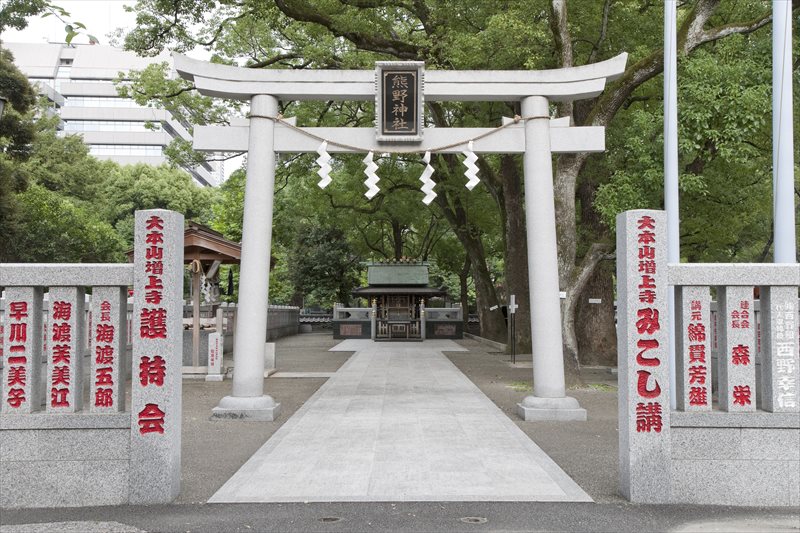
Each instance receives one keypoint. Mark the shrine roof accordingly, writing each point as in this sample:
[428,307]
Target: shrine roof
[412,290]
[398,273]
[203,243]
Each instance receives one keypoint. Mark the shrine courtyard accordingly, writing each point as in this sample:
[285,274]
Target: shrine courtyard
[215,450]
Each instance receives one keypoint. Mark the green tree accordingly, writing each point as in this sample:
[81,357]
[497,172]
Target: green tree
[62,164]
[323,266]
[17,131]
[141,186]
[228,208]
[56,230]
[725,151]
[491,34]
[14,14]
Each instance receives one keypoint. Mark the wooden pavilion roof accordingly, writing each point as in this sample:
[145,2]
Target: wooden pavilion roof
[203,243]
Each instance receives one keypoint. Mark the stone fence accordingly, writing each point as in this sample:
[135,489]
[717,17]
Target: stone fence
[362,323]
[282,321]
[59,448]
[733,436]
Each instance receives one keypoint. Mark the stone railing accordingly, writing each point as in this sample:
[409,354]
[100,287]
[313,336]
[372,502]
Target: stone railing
[282,321]
[444,322]
[353,322]
[448,314]
[363,322]
[732,438]
[59,448]
[46,311]
[352,313]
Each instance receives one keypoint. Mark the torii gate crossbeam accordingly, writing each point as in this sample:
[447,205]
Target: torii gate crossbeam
[538,137]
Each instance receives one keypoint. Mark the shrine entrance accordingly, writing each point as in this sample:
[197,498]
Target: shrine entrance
[400,90]
[399,318]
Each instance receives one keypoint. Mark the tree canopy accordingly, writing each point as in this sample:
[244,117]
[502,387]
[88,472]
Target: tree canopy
[60,204]
[724,98]
[724,101]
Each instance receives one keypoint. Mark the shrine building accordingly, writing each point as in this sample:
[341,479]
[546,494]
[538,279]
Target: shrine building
[397,302]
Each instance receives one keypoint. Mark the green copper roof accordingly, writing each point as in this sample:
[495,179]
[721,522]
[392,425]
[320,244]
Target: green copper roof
[397,274]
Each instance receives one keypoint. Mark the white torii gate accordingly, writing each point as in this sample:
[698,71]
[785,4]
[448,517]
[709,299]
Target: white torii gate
[537,136]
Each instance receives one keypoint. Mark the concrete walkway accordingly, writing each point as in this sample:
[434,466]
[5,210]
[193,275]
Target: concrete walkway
[399,422]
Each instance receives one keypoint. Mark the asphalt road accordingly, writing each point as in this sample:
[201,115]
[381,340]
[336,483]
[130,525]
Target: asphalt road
[411,517]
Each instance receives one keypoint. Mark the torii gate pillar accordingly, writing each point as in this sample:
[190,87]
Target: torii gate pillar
[248,399]
[549,401]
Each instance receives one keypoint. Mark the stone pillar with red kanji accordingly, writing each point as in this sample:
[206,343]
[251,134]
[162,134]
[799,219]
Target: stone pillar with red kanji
[22,349]
[156,360]
[780,369]
[107,340]
[65,335]
[737,349]
[642,341]
[693,348]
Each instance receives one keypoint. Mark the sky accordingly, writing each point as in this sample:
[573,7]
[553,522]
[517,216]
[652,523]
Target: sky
[101,17]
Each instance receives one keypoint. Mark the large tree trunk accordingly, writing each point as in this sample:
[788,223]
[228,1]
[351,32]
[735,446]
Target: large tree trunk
[463,278]
[568,166]
[397,239]
[595,328]
[583,273]
[516,258]
[691,34]
[566,172]
[492,324]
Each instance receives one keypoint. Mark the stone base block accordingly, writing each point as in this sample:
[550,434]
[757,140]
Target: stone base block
[248,408]
[269,355]
[566,409]
[214,377]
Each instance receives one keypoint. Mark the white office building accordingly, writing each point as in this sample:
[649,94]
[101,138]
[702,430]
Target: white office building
[78,80]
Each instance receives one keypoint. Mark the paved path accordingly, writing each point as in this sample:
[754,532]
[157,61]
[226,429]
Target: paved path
[399,422]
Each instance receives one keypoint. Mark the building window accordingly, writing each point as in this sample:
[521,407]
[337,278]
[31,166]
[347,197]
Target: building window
[92,80]
[62,75]
[139,150]
[98,101]
[111,125]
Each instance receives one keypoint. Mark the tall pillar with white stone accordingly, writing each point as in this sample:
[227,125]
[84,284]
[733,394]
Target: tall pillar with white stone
[642,339]
[157,342]
[783,133]
[549,400]
[248,399]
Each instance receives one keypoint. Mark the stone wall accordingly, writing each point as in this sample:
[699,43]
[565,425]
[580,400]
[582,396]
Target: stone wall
[735,459]
[733,437]
[62,447]
[64,460]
